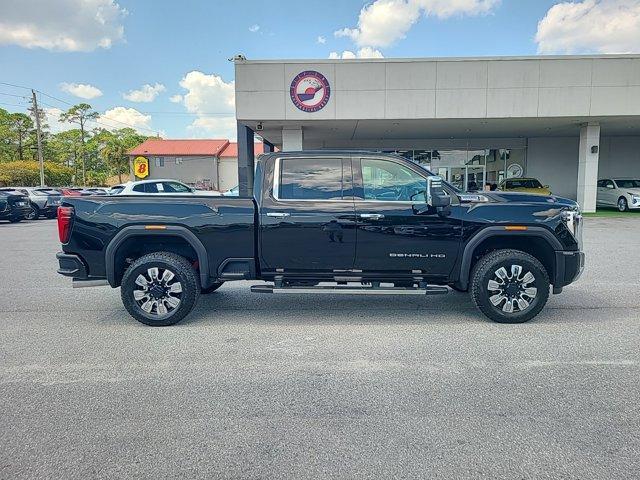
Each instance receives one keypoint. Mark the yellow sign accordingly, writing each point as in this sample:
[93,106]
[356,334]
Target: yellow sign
[141,167]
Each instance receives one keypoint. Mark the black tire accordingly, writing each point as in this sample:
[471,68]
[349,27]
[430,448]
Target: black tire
[623,205]
[34,213]
[184,275]
[512,287]
[15,219]
[212,288]
[457,288]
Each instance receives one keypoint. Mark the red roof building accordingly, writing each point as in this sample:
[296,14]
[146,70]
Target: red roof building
[210,164]
[231,150]
[183,148]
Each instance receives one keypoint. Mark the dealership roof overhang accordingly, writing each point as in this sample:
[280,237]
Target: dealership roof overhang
[368,133]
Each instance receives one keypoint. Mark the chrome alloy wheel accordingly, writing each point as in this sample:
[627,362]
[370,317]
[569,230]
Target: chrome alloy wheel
[158,291]
[512,292]
[33,214]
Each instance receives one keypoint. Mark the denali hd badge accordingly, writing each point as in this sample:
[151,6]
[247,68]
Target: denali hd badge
[310,91]
[417,255]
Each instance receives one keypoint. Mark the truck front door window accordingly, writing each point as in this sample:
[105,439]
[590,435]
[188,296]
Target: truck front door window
[389,181]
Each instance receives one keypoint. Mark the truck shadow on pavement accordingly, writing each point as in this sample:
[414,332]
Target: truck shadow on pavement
[236,307]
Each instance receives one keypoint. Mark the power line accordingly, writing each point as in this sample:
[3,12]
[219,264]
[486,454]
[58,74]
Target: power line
[200,114]
[100,122]
[14,95]
[71,104]
[54,98]
[14,85]
[14,104]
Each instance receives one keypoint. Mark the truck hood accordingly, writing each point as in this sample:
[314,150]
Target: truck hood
[519,197]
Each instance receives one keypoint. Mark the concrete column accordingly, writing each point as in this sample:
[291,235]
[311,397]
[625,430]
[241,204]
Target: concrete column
[292,139]
[246,160]
[588,156]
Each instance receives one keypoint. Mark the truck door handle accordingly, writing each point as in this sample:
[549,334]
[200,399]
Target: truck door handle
[372,216]
[278,214]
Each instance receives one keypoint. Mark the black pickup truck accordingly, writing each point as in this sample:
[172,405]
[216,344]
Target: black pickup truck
[326,222]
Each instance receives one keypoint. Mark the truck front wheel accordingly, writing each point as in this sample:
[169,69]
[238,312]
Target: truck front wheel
[509,286]
[160,289]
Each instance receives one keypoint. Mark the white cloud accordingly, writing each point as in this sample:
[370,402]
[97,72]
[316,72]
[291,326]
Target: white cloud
[146,93]
[365,52]
[177,98]
[81,90]
[52,119]
[604,26]
[216,127]
[207,93]
[452,8]
[123,117]
[384,22]
[321,40]
[213,100]
[64,25]
[254,28]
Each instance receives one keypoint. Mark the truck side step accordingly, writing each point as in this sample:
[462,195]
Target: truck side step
[351,290]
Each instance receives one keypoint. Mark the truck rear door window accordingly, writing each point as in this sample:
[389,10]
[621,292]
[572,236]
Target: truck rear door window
[310,179]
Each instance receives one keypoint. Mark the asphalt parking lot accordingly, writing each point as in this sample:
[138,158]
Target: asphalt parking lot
[259,386]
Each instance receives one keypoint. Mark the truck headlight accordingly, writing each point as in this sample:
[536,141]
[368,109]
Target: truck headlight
[573,221]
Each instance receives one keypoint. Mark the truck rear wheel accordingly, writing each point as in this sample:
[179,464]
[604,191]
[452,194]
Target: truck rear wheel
[509,286]
[160,289]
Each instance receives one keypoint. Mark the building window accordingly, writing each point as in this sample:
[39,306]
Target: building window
[159,162]
[178,160]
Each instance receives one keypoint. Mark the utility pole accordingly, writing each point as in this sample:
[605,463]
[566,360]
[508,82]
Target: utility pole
[36,113]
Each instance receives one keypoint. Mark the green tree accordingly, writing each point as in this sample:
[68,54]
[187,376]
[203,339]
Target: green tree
[6,143]
[27,173]
[64,148]
[113,148]
[80,114]
[21,128]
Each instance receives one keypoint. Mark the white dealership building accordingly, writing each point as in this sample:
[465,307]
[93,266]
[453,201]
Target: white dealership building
[566,120]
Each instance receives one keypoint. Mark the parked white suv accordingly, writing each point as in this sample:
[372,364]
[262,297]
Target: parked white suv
[158,187]
[619,192]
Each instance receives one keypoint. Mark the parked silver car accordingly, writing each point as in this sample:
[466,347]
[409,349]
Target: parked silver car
[158,187]
[44,201]
[623,193]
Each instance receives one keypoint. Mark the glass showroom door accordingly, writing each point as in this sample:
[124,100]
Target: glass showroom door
[475,178]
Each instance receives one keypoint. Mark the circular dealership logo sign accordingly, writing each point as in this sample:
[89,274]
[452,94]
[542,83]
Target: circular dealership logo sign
[310,91]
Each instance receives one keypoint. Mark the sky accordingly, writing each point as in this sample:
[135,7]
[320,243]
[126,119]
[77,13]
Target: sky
[162,66]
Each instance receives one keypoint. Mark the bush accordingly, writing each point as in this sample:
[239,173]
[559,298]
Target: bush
[27,174]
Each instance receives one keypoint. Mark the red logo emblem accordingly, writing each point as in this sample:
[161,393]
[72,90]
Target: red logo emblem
[310,91]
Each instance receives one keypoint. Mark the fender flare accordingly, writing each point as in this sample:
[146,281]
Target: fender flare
[169,231]
[488,232]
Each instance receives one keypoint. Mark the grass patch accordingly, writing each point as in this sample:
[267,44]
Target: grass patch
[612,213]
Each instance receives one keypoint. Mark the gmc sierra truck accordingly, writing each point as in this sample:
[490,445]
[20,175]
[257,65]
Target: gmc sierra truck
[326,222]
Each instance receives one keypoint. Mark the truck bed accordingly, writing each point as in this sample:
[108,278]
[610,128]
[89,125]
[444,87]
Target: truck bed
[223,226]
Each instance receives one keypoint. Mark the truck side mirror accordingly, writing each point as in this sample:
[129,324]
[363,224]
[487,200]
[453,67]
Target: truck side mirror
[436,194]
